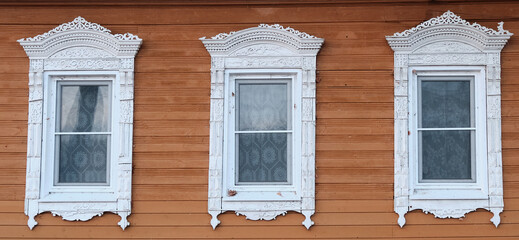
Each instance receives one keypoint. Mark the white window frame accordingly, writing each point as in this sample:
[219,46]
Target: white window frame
[265,192]
[85,52]
[49,189]
[262,53]
[449,46]
[449,189]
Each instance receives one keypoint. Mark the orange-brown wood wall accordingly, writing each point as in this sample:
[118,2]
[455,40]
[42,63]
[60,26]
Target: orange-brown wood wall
[172,83]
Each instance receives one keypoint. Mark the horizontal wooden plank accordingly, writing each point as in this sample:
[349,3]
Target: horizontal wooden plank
[355,142]
[354,158]
[355,95]
[510,139]
[13,128]
[12,176]
[270,232]
[11,206]
[173,159]
[13,144]
[188,2]
[12,192]
[325,126]
[355,110]
[247,14]
[171,128]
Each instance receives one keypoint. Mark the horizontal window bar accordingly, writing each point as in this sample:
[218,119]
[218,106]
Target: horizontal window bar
[83,133]
[445,129]
[265,131]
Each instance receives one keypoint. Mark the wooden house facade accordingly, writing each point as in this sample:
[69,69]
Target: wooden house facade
[173,79]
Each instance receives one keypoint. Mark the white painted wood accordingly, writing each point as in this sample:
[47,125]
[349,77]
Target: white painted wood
[449,45]
[90,51]
[266,51]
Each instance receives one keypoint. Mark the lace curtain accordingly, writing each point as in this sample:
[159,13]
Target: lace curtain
[263,156]
[83,157]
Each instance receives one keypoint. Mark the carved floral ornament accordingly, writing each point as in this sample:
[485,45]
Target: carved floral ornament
[447,43]
[268,50]
[79,48]
[225,43]
[78,33]
[449,25]
[79,23]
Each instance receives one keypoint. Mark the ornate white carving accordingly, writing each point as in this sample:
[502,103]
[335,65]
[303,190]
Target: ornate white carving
[448,212]
[225,44]
[127,111]
[127,37]
[494,107]
[127,63]
[77,216]
[449,28]
[447,47]
[262,50]
[35,112]
[79,64]
[265,48]
[81,52]
[79,23]
[447,41]
[36,64]
[449,18]
[88,41]
[274,26]
[74,46]
[496,219]
[401,108]
[401,60]
[446,59]
[261,215]
[262,62]
[288,29]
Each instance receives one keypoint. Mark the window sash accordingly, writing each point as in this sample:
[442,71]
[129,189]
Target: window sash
[288,131]
[471,128]
[58,133]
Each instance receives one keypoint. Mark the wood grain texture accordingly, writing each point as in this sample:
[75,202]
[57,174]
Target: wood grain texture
[354,150]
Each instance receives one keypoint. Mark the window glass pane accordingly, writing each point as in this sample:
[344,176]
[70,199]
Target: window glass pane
[445,104]
[262,157]
[263,106]
[84,108]
[83,158]
[446,154]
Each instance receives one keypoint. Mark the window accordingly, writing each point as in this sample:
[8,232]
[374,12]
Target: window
[264,148]
[448,118]
[262,136]
[447,133]
[445,129]
[82,133]
[79,148]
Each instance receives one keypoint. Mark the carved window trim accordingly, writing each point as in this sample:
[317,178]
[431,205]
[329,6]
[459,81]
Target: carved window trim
[266,49]
[448,43]
[80,48]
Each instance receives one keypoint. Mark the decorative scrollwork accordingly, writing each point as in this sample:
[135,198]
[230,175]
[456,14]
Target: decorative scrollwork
[451,18]
[78,23]
[273,26]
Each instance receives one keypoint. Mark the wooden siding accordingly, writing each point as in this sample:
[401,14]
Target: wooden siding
[354,188]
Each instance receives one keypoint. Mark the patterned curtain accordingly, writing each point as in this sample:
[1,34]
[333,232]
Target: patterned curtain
[83,157]
[262,156]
